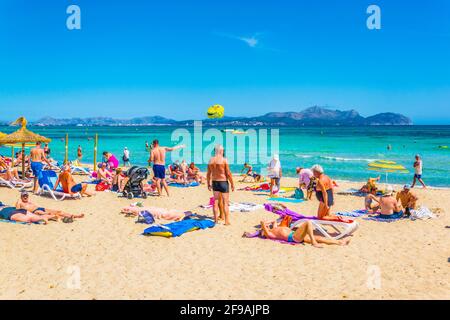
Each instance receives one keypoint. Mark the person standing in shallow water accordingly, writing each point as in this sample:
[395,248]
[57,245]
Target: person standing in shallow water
[79,153]
[418,167]
[219,180]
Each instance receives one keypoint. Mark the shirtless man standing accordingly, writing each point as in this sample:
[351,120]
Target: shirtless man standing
[158,158]
[304,233]
[25,203]
[38,159]
[219,179]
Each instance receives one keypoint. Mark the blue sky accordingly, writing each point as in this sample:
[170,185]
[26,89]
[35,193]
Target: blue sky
[175,58]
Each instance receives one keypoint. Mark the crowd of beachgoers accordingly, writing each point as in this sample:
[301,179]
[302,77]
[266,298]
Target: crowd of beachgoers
[43,175]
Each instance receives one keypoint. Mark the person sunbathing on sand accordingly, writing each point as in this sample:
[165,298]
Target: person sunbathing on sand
[25,203]
[303,233]
[22,215]
[158,213]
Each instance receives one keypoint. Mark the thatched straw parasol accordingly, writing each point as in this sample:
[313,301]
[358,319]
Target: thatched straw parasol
[22,136]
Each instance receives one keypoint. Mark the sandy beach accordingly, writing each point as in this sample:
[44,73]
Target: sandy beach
[116,262]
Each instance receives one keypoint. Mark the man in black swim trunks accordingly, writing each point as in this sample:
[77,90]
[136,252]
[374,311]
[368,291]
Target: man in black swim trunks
[25,203]
[219,179]
[22,215]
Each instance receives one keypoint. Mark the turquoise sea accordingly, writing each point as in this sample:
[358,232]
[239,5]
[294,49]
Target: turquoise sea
[344,152]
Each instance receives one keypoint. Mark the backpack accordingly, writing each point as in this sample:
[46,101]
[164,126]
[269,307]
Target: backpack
[299,194]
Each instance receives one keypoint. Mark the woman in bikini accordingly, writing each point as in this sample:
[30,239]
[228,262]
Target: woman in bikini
[219,180]
[303,233]
[324,192]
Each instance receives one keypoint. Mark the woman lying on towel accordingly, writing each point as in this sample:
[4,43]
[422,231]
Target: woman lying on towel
[157,213]
[303,233]
[25,203]
[22,215]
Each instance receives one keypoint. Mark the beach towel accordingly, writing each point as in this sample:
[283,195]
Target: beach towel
[244,206]
[181,185]
[289,200]
[354,213]
[422,213]
[176,229]
[352,192]
[283,211]
[384,218]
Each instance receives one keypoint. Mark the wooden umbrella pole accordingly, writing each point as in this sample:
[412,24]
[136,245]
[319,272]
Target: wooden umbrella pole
[23,160]
[66,154]
[95,151]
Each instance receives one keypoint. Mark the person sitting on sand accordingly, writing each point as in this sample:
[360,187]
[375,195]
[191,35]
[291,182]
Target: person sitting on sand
[407,199]
[371,183]
[193,174]
[371,201]
[250,173]
[25,203]
[69,185]
[119,180]
[103,175]
[22,215]
[389,206]
[303,233]
[324,192]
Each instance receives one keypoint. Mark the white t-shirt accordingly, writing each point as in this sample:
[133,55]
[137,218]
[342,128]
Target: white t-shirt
[305,176]
[126,154]
[274,169]
[418,168]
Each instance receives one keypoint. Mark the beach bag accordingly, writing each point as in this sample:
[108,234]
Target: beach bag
[299,194]
[422,213]
[102,186]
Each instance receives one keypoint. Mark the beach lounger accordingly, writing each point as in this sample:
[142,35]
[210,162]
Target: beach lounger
[19,185]
[80,170]
[342,226]
[47,182]
[343,229]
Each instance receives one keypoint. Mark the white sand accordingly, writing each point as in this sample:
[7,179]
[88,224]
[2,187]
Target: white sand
[116,262]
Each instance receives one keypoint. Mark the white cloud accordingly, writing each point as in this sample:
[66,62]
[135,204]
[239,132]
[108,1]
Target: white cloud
[252,42]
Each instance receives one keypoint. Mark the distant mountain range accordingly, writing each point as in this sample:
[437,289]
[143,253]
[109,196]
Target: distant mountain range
[313,116]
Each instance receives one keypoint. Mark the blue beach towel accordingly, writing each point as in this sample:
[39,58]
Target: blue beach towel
[181,185]
[384,218]
[176,229]
[290,200]
[354,213]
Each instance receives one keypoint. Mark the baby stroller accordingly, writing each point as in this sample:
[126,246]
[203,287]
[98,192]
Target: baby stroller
[133,188]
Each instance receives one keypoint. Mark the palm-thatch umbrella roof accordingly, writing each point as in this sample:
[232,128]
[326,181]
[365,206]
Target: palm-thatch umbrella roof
[22,136]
